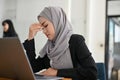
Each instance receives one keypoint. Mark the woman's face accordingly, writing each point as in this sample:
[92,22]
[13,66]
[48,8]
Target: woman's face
[5,27]
[47,28]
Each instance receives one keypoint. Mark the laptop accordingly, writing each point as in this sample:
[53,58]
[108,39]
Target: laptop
[14,63]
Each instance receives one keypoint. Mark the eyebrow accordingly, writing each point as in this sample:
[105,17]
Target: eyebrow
[43,23]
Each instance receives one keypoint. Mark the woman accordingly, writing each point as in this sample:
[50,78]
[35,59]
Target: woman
[65,54]
[8,28]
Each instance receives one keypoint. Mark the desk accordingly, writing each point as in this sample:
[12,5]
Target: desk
[11,79]
[67,79]
[5,79]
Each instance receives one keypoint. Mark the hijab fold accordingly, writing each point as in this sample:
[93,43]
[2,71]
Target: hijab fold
[58,49]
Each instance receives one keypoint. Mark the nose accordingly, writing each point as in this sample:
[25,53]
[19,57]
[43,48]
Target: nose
[44,30]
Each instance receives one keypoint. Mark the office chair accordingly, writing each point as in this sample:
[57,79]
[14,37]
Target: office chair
[101,71]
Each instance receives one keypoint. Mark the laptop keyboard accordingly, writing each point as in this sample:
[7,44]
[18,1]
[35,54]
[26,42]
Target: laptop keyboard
[42,77]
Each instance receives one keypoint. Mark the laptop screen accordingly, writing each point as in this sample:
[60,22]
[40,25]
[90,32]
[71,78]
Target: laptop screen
[13,61]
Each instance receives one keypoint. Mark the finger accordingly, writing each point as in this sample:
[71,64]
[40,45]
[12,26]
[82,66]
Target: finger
[36,24]
[36,30]
[35,27]
[42,73]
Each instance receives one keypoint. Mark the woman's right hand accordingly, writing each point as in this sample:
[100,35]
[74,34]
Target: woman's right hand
[34,28]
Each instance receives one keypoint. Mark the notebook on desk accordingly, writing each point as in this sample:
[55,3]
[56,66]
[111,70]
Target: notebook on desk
[14,63]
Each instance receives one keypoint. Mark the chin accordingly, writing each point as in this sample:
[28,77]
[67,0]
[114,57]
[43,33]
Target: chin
[5,30]
[50,39]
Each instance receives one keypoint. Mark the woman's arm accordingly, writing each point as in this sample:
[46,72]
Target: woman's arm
[84,64]
[29,45]
[39,63]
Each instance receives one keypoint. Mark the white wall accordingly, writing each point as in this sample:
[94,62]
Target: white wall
[78,16]
[1,12]
[7,11]
[96,15]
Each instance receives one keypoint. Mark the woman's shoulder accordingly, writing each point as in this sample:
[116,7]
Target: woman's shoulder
[76,38]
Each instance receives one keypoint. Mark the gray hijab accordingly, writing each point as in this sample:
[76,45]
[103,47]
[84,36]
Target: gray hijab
[58,49]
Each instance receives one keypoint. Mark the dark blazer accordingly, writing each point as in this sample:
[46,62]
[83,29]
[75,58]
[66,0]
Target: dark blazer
[84,67]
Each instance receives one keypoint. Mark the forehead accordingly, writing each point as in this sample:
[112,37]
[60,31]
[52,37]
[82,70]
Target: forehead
[42,19]
[5,23]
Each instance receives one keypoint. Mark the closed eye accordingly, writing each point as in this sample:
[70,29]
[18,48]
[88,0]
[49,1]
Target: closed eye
[46,25]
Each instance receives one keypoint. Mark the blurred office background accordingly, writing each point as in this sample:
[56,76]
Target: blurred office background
[112,39]
[97,20]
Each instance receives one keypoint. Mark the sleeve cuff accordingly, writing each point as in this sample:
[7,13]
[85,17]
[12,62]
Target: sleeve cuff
[29,45]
